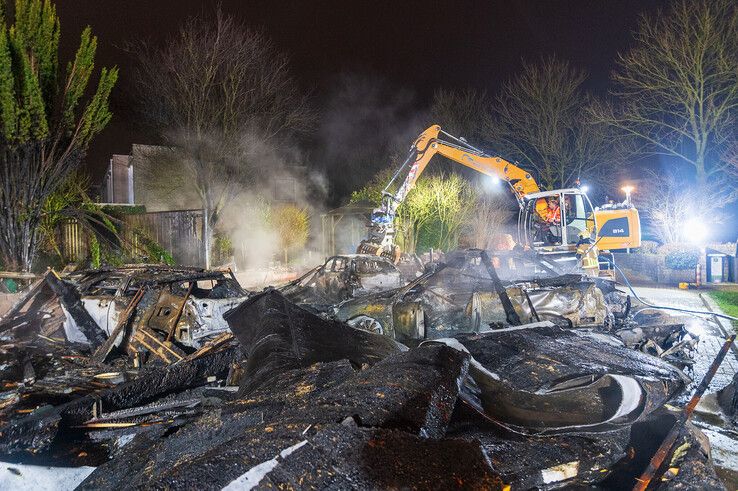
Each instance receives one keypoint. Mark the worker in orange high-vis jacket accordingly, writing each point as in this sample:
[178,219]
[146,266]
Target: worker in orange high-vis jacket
[549,210]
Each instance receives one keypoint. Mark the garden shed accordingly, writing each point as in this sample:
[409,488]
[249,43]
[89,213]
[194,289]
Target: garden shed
[720,267]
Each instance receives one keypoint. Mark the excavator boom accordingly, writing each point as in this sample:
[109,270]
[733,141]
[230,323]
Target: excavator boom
[428,145]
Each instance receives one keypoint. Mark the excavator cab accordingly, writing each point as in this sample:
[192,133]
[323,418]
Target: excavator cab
[556,221]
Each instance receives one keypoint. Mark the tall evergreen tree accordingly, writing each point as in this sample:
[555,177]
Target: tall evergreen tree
[46,122]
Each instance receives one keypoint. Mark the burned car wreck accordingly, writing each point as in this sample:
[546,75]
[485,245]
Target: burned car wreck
[505,384]
[460,295]
[343,277]
[186,303]
[146,311]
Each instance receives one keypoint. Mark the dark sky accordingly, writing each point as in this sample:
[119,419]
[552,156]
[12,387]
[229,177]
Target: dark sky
[414,45]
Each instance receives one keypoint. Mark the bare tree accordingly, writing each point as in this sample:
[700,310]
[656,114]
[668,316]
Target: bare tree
[671,209]
[462,113]
[731,159]
[677,89]
[217,95]
[540,119]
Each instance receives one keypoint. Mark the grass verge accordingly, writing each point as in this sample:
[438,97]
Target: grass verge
[727,301]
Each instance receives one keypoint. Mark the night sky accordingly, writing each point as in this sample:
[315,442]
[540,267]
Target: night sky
[414,46]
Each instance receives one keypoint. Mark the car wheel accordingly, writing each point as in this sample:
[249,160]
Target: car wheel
[366,323]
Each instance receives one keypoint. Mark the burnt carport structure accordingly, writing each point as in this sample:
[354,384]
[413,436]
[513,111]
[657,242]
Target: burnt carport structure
[343,228]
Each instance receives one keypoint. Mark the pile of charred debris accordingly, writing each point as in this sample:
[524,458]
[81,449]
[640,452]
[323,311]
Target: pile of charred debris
[461,378]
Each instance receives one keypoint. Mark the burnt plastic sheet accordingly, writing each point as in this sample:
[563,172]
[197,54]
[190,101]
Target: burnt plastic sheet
[546,378]
[71,300]
[166,455]
[268,324]
[341,457]
[415,391]
[538,462]
[334,456]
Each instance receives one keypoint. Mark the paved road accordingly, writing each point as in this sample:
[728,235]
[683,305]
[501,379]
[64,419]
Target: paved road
[712,332]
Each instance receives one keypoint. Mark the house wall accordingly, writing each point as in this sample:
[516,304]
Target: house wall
[117,186]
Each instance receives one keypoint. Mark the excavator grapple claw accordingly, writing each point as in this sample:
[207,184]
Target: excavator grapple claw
[392,253]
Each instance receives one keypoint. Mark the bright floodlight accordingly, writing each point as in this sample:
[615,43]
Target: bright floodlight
[491,185]
[695,231]
[584,188]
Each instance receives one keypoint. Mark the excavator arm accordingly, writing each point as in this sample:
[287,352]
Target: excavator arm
[426,146]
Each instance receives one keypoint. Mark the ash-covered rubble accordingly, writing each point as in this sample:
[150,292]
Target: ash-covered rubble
[73,347]
[489,390]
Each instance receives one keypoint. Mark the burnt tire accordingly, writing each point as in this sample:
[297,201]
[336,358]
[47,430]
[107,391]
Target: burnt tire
[366,323]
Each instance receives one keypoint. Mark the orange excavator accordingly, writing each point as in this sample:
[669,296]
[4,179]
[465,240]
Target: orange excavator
[560,223]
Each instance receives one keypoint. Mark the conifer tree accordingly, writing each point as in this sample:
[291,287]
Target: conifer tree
[46,121]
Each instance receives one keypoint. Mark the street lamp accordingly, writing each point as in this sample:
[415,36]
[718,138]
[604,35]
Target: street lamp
[628,190]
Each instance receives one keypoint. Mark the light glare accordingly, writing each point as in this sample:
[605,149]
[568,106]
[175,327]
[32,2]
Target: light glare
[695,232]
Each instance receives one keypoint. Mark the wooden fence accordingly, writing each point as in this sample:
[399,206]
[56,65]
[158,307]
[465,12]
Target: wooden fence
[176,231]
[73,240]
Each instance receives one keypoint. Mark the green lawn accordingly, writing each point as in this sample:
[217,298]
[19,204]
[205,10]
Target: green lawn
[727,301]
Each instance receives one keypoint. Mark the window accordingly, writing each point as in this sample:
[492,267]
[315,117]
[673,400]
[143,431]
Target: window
[339,264]
[579,221]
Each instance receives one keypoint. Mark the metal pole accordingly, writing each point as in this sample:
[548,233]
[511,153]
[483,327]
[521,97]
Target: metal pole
[665,449]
